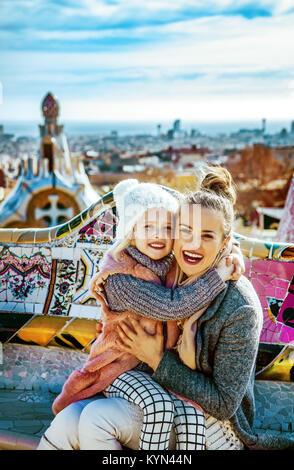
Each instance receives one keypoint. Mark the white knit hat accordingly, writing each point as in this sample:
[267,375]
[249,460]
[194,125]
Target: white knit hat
[132,199]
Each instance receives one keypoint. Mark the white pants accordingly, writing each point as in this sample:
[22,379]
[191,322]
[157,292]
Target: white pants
[96,424]
[161,411]
[110,423]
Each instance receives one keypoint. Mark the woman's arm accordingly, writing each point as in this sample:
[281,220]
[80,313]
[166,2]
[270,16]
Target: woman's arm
[220,393]
[151,300]
[234,358]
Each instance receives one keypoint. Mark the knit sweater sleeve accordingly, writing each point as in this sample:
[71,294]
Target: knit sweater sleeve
[233,360]
[151,300]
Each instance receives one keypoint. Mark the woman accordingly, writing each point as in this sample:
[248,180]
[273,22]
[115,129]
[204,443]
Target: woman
[224,345]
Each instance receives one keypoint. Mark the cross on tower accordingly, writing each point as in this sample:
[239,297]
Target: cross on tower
[53,212]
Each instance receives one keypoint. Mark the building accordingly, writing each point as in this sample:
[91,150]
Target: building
[51,188]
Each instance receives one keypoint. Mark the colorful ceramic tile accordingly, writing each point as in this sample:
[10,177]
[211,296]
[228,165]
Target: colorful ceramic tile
[87,267]
[270,291]
[10,323]
[281,368]
[270,332]
[3,290]
[22,275]
[11,259]
[263,301]
[62,253]
[100,230]
[271,279]
[281,313]
[40,330]
[88,299]
[86,310]
[77,334]
[42,293]
[287,335]
[20,307]
[38,308]
[263,279]
[281,283]
[280,269]
[64,287]
[7,306]
[274,305]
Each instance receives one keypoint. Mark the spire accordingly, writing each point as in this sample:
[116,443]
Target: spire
[50,108]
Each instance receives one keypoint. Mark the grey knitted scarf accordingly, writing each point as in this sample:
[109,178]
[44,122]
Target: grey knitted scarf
[160,267]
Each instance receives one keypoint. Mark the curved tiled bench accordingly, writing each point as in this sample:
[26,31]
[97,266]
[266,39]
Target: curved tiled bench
[48,317]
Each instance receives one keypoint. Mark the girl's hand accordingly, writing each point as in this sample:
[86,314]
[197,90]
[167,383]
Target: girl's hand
[136,341]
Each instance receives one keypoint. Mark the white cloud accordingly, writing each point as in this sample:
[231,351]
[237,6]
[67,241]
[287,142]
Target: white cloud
[234,44]
[208,66]
[124,7]
[198,108]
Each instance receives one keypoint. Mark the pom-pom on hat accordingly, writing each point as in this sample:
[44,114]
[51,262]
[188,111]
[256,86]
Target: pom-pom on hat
[132,199]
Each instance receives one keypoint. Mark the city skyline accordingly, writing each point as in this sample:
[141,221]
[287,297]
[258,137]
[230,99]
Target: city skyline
[118,60]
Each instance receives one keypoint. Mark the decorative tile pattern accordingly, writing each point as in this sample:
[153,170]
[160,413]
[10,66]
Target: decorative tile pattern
[272,282]
[87,267]
[24,274]
[64,287]
[100,231]
[55,279]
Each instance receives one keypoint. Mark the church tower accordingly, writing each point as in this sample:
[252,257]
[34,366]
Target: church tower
[54,147]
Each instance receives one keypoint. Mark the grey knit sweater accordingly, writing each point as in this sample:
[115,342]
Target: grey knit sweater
[226,347]
[124,292]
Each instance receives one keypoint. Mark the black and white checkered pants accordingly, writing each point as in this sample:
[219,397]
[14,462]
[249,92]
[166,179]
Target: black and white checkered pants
[161,409]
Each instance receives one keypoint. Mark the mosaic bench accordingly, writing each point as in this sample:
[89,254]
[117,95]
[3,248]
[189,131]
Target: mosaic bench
[48,317]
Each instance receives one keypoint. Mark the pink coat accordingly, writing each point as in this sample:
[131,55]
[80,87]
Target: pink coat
[106,361]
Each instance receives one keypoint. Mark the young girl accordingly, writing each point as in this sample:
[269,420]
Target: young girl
[143,249]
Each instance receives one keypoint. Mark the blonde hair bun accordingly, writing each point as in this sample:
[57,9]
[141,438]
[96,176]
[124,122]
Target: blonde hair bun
[219,181]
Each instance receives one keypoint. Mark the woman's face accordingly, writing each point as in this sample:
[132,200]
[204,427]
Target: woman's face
[199,238]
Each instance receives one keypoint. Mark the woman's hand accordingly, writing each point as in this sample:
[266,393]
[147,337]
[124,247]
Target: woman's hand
[236,258]
[147,348]
[232,266]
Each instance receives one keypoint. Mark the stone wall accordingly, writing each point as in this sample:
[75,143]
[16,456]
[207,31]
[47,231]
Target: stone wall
[38,368]
[274,405]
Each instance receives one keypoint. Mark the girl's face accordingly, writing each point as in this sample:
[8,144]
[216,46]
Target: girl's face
[199,238]
[153,233]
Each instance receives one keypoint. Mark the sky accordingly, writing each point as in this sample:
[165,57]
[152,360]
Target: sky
[210,60]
